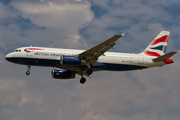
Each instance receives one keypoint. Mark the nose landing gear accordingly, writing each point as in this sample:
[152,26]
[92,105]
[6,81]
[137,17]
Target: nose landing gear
[28,72]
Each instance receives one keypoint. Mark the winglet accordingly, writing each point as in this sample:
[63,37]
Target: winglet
[123,34]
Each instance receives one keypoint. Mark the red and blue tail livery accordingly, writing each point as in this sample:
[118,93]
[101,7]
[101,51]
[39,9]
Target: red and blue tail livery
[71,62]
[158,46]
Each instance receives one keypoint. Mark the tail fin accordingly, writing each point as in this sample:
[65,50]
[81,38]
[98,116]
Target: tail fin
[158,46]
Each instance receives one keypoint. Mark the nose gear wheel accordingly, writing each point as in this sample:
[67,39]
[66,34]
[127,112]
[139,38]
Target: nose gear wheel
[28,72]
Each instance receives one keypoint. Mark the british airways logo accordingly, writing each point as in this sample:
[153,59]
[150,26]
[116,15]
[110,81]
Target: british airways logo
[29,49]
[26,50]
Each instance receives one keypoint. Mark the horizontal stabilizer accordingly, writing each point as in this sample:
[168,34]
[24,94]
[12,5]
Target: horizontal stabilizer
[164,57]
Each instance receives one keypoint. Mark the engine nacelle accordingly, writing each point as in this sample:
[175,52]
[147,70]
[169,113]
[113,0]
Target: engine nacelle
[62,74]
[71,60]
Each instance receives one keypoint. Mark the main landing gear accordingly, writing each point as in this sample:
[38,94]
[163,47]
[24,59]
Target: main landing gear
[88,72]
[28,72]
[82,80]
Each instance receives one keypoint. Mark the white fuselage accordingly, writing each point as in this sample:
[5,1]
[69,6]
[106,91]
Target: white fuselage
[41,56]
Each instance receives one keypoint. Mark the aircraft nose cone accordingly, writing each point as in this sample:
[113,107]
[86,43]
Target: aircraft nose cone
[7,57]
[11,58]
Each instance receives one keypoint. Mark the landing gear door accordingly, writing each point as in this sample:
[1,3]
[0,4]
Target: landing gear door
[140,59]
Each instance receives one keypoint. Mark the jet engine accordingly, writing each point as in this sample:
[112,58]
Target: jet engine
[62,74]
[71,60]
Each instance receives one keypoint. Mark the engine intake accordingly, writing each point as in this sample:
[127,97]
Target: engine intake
[71,60]
[62,74]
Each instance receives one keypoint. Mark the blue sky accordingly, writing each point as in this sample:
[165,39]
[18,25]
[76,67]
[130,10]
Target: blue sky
[151,94]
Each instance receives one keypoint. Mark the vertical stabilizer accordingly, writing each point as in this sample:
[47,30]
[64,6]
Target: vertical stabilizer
[158,46]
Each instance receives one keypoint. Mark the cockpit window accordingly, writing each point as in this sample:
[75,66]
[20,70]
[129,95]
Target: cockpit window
[17,50]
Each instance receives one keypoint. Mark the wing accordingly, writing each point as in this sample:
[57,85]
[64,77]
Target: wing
[91,55]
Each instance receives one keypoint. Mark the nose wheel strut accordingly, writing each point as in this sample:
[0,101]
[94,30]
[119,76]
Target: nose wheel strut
[28,72]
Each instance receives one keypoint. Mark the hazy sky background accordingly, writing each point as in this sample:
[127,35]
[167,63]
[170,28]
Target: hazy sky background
[151,94]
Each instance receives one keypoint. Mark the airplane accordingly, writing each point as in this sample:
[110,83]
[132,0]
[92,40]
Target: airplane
[69,62]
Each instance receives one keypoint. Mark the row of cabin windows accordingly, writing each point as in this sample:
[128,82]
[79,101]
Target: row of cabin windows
[57,53]
[104,56]
[74,53]
[120,57]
